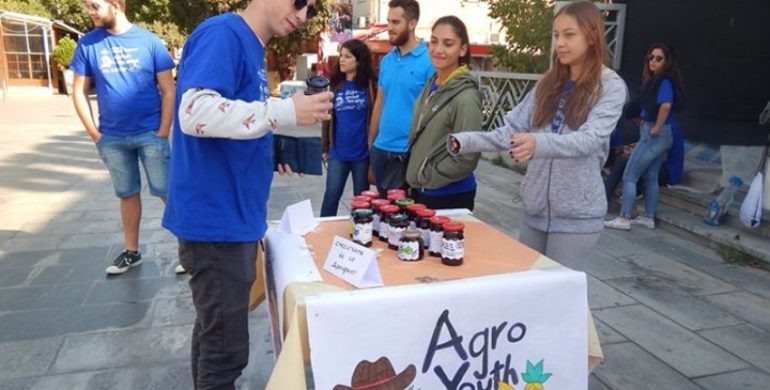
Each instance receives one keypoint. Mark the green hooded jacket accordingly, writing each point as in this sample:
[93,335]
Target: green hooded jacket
[430,165]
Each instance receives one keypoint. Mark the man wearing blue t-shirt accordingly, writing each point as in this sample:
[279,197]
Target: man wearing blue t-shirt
[131,70]
[403,72]
[221,170]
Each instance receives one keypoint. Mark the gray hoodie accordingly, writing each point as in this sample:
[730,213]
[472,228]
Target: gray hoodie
[563,190]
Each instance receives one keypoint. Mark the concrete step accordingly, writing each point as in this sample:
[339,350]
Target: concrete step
[733,244]
[697,204]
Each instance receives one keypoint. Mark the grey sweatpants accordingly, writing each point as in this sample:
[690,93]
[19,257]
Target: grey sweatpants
[568,249]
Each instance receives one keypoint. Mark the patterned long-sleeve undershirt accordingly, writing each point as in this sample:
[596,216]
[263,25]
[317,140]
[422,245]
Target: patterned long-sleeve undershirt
[205,113]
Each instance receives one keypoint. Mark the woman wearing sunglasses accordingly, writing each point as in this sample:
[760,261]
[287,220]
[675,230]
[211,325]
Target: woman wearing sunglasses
[661,97]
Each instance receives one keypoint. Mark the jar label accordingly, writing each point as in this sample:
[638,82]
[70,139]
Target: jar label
[376,222]
[362,233]
[394,235]
[384,231]
[425,237]
[453,249]
[435,241]
[409,250]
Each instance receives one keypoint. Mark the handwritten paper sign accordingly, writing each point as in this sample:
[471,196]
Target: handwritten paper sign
[353,263]
[298,219]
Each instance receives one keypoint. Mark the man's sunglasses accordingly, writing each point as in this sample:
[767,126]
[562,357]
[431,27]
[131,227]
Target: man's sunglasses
[311,10]
[652,58]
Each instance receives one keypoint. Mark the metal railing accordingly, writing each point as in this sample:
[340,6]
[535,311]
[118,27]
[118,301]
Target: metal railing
[500,92]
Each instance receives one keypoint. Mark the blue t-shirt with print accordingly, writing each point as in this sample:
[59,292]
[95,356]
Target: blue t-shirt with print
[218,188]
[123,68]
[351,107]
[401,79]
[665,95]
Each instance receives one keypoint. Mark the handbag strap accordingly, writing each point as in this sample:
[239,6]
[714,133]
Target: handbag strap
[425,120]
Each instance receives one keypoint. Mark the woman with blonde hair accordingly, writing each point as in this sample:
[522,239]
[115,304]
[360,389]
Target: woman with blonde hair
[562,129]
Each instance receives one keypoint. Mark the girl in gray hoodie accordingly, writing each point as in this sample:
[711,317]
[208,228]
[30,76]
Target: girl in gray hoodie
[562,128]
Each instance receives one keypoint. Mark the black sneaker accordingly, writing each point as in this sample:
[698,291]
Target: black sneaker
[123,262]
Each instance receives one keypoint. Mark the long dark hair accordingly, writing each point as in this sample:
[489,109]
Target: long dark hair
[582,97]
[462,32]
[671,67]
[364,72]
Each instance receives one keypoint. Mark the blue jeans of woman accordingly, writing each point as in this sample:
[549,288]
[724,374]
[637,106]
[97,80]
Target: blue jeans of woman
[337,176]
[645,162]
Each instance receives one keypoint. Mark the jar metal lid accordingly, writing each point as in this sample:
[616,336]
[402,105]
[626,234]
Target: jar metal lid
[380,202]
[396,191]
[416,207]
[412,234]
[426,213]
[440,220]
[453,227]
[399,218]
[360,205]
[362,213]
[362,198]
[389,208]
[405,202]
[371,194]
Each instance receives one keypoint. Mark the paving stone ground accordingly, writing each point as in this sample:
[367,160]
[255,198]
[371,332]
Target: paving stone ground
[670,313]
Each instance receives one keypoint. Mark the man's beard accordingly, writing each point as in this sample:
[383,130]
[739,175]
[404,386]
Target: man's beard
[400,39]
[109,24]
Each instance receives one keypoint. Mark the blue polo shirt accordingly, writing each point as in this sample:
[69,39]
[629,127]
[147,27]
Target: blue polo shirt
[218,188]
[401,79]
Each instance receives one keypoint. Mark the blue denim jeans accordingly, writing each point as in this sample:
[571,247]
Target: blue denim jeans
[645,163]
[337,176]
[379,159]
[121,155]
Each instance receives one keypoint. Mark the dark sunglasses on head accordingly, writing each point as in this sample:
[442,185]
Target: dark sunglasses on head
[656,58]
[311,10]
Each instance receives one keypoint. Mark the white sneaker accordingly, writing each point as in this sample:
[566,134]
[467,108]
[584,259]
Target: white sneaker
[619,223]
[647,222]
[179,269]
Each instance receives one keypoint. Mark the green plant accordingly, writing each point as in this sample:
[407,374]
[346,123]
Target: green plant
[64,51]
[287,48]
[528,34]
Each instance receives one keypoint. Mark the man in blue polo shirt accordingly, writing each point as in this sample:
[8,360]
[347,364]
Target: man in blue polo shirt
[403,72]
[131,70]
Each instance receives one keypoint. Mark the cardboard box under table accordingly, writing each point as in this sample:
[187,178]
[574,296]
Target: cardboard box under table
[488,252]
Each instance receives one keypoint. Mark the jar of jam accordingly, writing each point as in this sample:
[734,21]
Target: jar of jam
[453,245]
[410,246]
[362,227]
[398,224]
[411,211]
[386,211]
[437,235]
[376,205]
[357,205]
[371,194]
[423,225]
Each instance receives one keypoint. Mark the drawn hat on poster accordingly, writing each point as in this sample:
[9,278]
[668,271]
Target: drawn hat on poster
[379,375]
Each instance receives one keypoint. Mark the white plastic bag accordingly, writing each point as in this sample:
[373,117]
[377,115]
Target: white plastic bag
[751,209]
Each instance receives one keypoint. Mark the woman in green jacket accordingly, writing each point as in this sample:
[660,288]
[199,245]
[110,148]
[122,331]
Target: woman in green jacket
[449,103]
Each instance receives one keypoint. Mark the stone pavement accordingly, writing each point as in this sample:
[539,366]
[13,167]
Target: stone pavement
[671,314]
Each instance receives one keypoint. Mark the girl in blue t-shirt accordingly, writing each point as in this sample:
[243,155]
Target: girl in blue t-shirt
[661,98]
[344,137]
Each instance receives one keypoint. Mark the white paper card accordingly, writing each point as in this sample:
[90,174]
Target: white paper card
[353,263]
[298,219]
